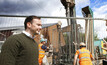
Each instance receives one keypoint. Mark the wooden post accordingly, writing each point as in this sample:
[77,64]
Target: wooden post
[89,29]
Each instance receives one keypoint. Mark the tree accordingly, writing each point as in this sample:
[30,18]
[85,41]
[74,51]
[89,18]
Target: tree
[105,39]
[96,36]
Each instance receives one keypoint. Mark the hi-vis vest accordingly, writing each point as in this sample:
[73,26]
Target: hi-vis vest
[41,51]
[84,55]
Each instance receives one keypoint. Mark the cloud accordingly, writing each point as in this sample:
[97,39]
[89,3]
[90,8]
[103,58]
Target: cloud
[14,6]
[51,8]
[31,7]
[26,7]
[99,25]
[99,12]
[55,8]
[80,4]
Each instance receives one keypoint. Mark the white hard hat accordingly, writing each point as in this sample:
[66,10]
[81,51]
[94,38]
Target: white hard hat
[82,44]
[42,40]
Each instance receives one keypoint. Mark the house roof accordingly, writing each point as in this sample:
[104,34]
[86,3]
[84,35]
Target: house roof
[22,27]
[10,23]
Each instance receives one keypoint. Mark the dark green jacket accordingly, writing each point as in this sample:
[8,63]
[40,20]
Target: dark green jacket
[19,50]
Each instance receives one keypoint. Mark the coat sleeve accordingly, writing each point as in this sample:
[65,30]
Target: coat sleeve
[44,47]
[9,51]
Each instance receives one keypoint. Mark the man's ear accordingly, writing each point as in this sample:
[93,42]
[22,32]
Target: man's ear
[28,24]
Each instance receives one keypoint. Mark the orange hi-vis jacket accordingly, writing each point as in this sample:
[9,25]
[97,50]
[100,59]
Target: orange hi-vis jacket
[84,56]
[41,54]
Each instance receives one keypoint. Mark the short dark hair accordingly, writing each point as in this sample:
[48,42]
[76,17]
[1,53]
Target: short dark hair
[82,46]
[29,19]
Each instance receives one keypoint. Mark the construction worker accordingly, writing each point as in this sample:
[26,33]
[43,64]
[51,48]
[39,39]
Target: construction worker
[84,55]
[104,45]
[105,48]
[42,49]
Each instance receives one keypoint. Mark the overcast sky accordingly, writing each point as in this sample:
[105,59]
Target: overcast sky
[55,8]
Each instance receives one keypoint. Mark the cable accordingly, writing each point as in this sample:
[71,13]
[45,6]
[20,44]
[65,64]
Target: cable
[56,17]
[41,7]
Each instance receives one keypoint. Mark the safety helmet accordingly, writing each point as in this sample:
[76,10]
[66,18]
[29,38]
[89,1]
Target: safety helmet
[82,44]
[42,40]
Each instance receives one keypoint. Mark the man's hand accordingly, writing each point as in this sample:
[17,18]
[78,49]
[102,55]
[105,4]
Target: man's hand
[75,59]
